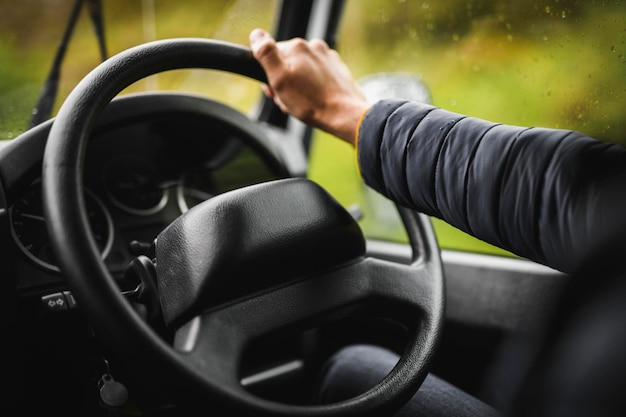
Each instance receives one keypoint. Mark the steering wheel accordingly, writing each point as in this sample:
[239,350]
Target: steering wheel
[290,230]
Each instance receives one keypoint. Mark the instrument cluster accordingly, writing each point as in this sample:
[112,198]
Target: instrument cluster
[137,179]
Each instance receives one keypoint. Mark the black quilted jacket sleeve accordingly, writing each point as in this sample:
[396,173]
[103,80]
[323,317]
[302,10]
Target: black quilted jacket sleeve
[544,194]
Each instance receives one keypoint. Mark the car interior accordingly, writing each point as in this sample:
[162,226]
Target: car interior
[165,252]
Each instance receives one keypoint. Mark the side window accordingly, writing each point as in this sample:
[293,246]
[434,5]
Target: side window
[549,63]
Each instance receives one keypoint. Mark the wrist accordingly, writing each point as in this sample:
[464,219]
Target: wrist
[343,119]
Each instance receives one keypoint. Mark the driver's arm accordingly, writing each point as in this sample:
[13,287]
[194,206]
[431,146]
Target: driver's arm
[548,195]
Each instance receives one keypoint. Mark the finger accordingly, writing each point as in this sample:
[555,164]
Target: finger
[280,104]
[267,90]
[319,45]
[265,50]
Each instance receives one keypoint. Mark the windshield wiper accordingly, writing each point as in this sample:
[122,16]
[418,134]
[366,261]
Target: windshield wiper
[43,109]
[97,21]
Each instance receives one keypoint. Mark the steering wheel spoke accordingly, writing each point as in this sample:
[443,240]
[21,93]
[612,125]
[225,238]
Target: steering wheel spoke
[215,340]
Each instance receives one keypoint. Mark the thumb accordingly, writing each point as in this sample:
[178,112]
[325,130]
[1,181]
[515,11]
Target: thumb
[265,50]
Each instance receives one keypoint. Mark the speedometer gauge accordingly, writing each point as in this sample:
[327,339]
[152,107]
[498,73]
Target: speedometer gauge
[194,188]
[28,226]
[132,185]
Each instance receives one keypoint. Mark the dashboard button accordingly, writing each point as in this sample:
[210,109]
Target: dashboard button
[54,302]
[70,300]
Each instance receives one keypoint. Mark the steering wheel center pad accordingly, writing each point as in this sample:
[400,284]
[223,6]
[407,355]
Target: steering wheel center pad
[233,244]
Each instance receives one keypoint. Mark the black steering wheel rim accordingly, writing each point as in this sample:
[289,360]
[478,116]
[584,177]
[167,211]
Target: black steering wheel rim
[113,318]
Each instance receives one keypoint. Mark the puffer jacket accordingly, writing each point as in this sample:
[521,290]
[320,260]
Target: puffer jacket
[548,195]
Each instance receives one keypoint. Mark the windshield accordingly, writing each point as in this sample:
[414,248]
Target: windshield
[30,36]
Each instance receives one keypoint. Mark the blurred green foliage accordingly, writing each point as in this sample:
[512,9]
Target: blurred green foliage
[30,35]
[551,63]
[18,91]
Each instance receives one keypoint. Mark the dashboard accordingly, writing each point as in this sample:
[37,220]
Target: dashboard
[151,158]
